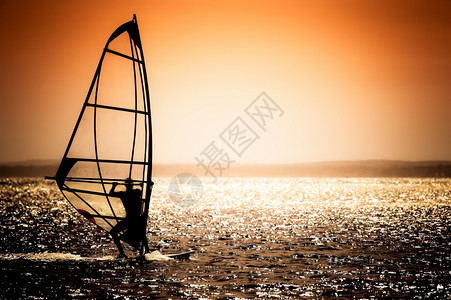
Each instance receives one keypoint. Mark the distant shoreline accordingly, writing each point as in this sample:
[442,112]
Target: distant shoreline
[366,168]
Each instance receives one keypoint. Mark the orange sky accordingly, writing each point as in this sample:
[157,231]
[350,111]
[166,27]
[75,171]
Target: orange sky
[356,79]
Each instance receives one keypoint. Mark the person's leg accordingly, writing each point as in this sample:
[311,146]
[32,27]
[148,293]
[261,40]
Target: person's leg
[138,236]
[114,233]
[145,244]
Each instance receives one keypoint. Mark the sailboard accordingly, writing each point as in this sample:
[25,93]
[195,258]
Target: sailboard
[112,138]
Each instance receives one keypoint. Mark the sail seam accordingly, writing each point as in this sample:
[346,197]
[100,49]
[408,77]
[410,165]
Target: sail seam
[136,115]
[96,148]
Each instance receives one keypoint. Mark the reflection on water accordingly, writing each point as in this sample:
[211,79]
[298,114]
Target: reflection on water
[254,237]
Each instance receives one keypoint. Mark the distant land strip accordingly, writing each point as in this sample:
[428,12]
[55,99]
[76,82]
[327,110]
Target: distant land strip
[367,168]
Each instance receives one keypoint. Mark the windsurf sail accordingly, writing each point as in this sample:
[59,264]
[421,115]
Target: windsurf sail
[112,139]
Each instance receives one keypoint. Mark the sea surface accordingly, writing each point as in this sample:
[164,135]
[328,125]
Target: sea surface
[274,238]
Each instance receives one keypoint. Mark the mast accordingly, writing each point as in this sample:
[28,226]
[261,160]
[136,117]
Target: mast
[148,186]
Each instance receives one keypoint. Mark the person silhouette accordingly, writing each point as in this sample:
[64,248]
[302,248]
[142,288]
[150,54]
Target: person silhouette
[130,225]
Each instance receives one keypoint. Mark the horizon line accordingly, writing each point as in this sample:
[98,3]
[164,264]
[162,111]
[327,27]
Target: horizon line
[50,161]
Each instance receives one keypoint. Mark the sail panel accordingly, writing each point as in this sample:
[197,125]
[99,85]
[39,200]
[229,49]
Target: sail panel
[121,44]
[82,144]
[118,71]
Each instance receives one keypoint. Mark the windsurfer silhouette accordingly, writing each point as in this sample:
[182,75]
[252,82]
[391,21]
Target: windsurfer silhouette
[130,226]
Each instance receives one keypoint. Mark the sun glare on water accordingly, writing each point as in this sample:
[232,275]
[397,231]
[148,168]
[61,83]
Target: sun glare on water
[271,237]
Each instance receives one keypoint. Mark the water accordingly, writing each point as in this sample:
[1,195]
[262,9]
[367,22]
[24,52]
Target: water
[254,237]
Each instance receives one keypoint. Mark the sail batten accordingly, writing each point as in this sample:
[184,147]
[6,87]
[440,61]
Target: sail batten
[112,138]
[113,161]
[85,191]
[117,108]
[97,180]
[123,55]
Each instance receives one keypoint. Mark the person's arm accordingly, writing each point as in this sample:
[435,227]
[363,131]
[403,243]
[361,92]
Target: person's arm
[112,192]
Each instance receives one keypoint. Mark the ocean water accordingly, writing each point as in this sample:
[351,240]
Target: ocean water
[274,238]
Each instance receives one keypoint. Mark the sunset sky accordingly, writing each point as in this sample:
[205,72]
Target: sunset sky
[355,79]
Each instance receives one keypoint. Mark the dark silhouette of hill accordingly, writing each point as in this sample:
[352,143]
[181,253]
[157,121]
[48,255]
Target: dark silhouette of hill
[366,168]
[369,168]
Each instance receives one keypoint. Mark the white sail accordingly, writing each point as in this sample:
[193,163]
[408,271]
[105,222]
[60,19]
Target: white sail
[112,139]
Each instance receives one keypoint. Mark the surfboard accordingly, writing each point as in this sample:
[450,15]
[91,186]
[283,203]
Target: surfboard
[183,255]
[157,255]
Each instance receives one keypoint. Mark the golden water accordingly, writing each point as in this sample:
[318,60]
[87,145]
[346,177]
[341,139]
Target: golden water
[254,237]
